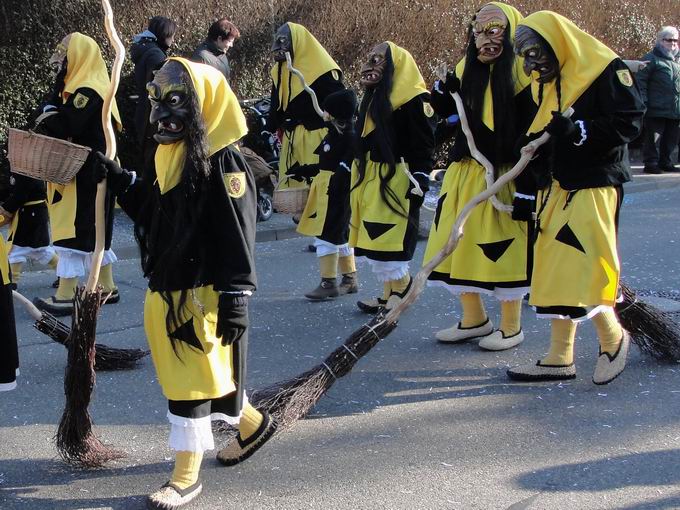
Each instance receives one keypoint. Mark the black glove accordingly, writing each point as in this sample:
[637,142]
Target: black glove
[302,172]
[522,208]
[561,126]
[452,83]
[232,318]
[104,168]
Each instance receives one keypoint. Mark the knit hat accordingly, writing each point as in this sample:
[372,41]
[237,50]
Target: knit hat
[341,105]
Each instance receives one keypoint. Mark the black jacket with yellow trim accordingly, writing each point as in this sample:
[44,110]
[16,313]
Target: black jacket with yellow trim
[612,111]
[301,110]
[413,133]
[487,142]
[23,189]
[222,251]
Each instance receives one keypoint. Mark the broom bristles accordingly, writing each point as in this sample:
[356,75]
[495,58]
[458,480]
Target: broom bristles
[653,331]
[288,401]
[75,439]
[106,358]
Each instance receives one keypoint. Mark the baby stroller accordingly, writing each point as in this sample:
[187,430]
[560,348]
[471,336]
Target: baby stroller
[261,150]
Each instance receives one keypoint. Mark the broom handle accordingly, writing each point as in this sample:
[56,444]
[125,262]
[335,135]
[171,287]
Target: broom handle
[100,201]
[32,310]
[315,101]
[457,230]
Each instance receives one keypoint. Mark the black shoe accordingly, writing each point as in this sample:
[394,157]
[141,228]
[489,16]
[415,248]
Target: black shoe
[373,305]
[311,247]
[57,307]
[55,284]
[668,168]
[112,298]
[652,170]
[327,289]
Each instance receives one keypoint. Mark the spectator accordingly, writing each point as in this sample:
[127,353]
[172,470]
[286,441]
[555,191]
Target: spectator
[213,51]
[148,52]
[659,84]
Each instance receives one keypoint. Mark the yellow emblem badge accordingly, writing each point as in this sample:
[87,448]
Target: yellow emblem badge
[427,108]
[236,184]
[80,101]
[625,77]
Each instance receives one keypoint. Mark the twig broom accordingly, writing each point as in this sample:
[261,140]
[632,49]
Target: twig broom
[75,439]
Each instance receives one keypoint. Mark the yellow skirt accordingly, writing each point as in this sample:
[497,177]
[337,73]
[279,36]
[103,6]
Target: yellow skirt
[373,225]
[298,146]
[491,257]
[202,368]
[313,217]
[62,203]
[4,261]
[576,263]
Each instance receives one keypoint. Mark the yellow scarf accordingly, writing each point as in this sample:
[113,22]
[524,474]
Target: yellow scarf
[582,59]
[86,69]
[520,79]
[407,83]
[222,115]
[309,57]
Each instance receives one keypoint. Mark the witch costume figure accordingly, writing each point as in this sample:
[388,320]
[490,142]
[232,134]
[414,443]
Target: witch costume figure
[492,256]
[9,351]
[292,110]
[326,215]
[195,226]
[396,140]
[576,262]
[77,116]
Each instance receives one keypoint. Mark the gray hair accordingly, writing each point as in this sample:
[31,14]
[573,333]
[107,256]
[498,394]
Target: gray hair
[667,32]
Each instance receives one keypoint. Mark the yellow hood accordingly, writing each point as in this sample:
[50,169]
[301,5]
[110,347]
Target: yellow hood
[407,82]
[309,57]
[86,69]
[582,58]
[222,115]
[520,79]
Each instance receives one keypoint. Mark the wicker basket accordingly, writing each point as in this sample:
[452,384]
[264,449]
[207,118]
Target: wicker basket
[45,158]
[291,200]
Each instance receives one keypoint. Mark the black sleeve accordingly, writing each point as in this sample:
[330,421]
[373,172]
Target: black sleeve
[233,222]
[441,101]
[326,84]
[620,111]
[273,121]
[418,135]
[132,199]
[22,189]
[75,117]
[643,75]
[525,108]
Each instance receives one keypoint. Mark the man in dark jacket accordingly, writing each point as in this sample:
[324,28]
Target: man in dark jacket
[213,51]
[148,52]
[659,84]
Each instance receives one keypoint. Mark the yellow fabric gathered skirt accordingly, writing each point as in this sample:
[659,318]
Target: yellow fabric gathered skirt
[492,256]
[202,368]
[313,217]
[374,227]
[298,146]
[62,204]
[576,263]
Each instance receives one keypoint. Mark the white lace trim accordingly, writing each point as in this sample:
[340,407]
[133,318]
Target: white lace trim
[500,293]
[21,254]
[591,311]
[387,270]
[324,248]
[76,263]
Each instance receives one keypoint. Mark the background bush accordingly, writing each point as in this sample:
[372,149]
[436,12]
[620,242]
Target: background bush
[433,30]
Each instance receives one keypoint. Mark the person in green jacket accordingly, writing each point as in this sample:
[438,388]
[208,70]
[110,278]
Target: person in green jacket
[659,83]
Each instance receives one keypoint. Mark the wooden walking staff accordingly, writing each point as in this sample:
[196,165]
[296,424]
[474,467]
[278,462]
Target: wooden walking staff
[290,400]
[75,439]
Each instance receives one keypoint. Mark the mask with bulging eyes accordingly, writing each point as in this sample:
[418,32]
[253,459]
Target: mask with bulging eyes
[537,54]
[283,43]
[58,59]
[170,98]
[373,70]
[488,32]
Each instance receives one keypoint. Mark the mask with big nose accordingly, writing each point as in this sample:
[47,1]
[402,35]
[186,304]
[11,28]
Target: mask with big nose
[283,43]
[170,98]
[488,30]
[373,69]
[537,53]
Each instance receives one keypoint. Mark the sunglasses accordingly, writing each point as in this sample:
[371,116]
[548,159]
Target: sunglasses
[670,40]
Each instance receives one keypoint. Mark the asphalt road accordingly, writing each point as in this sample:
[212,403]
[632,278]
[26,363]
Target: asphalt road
[416,425]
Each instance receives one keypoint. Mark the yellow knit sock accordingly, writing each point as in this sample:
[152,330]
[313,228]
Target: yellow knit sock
[400,285]
[609,331]
[386,290]
[187,467]
[67,288]
[106,278]
[473,310]
[53,261]
[562,335]
[511,314]
[16,271]
[328,265]
[347,264]
[251,419]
